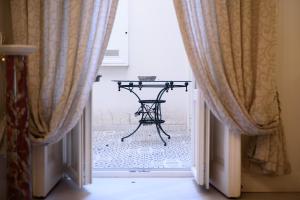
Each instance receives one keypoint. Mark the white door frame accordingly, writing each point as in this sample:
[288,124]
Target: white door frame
[200,129]
[77,149]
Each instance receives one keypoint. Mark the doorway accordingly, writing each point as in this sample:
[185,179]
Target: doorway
[198,120]
[144,41]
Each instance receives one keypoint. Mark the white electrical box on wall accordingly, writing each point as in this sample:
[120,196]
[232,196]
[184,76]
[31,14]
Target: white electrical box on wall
[117,50]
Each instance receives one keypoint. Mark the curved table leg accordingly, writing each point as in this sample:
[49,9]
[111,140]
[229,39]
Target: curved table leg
[162,139]
[159,125]
[157,114]
[122,139]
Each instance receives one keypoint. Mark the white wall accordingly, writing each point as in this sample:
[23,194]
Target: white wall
[288,85]
[155,48]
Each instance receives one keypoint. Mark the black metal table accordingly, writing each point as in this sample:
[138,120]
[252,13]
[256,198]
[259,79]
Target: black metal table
[150,109]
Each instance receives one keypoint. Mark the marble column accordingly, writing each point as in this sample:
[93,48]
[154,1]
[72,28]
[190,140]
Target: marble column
[18,153]
[18,141]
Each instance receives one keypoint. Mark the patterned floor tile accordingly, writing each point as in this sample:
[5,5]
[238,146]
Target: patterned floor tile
[144,149]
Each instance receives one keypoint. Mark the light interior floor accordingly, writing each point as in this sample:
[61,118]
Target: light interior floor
[150,189]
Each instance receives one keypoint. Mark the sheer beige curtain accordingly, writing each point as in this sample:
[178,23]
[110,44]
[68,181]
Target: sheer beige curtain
[72,36]
[231,45]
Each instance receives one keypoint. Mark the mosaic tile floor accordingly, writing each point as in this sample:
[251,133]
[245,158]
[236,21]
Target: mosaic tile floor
[143,150]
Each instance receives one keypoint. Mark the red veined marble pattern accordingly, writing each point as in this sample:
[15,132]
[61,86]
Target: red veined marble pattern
[18,141]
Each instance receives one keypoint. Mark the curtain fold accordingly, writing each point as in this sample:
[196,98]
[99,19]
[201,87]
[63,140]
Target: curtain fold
[72,36]
[231,45]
